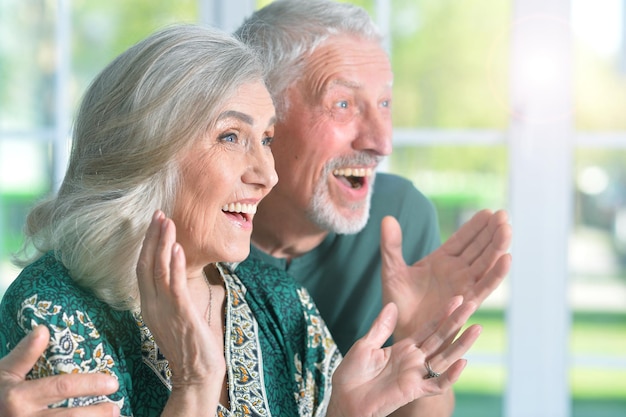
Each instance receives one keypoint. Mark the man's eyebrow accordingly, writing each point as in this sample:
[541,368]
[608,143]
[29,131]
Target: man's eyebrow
[246,118]
[344,83]
[351,84]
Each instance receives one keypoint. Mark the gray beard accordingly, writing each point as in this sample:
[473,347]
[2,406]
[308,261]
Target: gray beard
[322,211]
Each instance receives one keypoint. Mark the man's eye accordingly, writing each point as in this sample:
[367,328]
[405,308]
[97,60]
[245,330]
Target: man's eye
[228,137]
[343,104]
[385,103]
[267,141]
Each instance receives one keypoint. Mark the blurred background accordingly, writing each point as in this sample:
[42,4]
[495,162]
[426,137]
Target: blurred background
[514,104]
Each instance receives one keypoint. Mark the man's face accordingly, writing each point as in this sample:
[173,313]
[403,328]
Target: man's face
[334,132]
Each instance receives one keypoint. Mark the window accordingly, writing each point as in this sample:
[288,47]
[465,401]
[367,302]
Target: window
[49,52]
[473,84]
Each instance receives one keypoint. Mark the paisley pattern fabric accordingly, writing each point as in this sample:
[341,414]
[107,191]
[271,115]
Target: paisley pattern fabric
[280,353]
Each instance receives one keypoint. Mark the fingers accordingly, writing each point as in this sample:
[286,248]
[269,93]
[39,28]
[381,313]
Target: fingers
[38,394]
[454,351]
[467,233]
[489,261]
[477,233]
[160,258]
[21,359]
[161,271]
[145,264]
[391,244]
[383,326]
[17,393]
[451,359]
[492,240]
[53,389]
[484,250]
[178,277]
[163,255]
[453,304]
[492,279]
[448,328]
[451,375]
[445,354]
[99,410]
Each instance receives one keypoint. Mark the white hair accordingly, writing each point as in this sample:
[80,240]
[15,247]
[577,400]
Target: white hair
[146,107]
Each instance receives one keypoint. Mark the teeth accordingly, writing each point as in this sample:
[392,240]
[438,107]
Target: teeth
[353,172]
[240,208]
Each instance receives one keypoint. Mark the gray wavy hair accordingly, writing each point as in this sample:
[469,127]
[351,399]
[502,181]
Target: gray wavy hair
[145,108]
[286,32]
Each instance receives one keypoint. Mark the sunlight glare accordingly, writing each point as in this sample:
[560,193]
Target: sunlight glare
[598,23]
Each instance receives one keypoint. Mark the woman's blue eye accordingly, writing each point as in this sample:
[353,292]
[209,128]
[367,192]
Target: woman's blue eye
[268,141]
[229,137]
[342,104]
[386,103]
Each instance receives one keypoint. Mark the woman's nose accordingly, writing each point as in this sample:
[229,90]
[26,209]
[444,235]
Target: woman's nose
[261,169]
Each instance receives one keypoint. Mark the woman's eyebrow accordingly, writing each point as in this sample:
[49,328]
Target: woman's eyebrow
[242,116]
[236,114]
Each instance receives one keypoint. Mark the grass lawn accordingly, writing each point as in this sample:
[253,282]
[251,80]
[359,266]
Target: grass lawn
[596,392]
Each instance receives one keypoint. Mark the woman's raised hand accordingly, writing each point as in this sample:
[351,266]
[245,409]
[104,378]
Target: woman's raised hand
[180,330]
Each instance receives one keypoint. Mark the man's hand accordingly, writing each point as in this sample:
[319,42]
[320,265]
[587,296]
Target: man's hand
[25,398]
[471,263]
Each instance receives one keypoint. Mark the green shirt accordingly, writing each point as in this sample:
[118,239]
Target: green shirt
[343,273]
[279,354]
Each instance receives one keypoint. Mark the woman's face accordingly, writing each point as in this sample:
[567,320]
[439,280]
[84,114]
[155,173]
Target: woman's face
[224,176]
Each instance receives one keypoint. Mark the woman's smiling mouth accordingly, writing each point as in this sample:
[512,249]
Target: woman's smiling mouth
[242,210]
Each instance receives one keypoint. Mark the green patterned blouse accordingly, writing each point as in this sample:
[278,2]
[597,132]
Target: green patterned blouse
[280,352]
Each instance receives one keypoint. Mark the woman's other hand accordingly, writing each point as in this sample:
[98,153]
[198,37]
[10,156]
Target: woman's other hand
[375,381]
[26,398]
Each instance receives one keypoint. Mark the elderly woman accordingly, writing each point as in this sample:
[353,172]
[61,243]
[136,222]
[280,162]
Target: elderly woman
[134,272]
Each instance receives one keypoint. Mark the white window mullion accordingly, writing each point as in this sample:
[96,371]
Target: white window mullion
[439,137]
[541,152]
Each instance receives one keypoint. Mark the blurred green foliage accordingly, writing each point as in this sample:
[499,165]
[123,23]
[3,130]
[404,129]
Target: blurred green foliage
[597,391]
[460,180]
[442,55]
[103,30]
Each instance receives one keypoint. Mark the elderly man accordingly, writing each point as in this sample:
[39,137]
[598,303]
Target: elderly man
[327,222]
[331,81]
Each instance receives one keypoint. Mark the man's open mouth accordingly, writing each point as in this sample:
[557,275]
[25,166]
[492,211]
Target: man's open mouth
[353,177]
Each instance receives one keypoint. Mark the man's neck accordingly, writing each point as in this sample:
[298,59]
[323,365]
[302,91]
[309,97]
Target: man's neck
[287,245]
[283,234]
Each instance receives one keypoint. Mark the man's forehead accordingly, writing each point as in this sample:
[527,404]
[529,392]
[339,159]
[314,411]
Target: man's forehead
[347,62]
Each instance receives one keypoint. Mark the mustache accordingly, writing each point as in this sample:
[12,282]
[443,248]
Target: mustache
[358,159]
